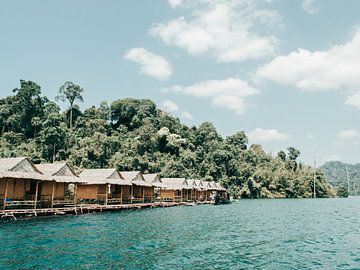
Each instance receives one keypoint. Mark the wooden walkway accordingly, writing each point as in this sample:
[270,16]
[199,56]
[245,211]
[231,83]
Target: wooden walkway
[78,209]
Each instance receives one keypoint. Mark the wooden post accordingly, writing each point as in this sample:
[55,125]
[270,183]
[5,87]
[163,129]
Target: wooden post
[53,194]
[75,194]
[36,193]
[181,196]
[6,191]
[132,194]
[143,193]
[121,194]
[107,191]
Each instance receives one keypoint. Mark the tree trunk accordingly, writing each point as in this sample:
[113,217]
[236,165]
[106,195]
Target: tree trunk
[54,153]
[71,116]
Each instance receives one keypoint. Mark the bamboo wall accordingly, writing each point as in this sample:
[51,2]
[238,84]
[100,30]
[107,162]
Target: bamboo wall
[87,192]
[148,191]
[59,192]
[138,191]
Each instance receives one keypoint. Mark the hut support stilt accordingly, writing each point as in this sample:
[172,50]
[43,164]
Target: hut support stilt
[75,194]
[5,195]
[106,194]
[143,194]
[132,194]
[53,194]
[121,194]
[36,194]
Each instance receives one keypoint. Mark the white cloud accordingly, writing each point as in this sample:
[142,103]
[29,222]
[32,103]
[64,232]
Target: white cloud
[151,64]
[310,6]
[348,134]
[353,100]
[170,106]
[334,69]
[267,135]
[186,115]
[222,28]
[175,3]
[229,93]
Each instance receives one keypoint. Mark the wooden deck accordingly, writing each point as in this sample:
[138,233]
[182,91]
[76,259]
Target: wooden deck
[78,209]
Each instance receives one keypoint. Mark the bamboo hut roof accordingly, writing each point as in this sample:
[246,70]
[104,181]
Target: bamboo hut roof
[154,179]
[19,164]
[194,183]
[136,178]
[205,185]
[60,171]
[21,168]
[103,176]
[175,183]
[220,187]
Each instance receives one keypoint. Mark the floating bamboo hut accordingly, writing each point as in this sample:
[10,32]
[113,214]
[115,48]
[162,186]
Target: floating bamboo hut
[155,180]
[62,191]
[141,190]
[103,186]
[176,189]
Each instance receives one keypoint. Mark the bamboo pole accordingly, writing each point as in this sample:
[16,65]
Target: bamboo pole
[143,194]
[53,194]
[75,194]
[132,194]
[181,196]
[106,193]
[36,193]
[121,194]
[6,191]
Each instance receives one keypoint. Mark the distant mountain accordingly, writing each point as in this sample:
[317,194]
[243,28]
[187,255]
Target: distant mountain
[335,173]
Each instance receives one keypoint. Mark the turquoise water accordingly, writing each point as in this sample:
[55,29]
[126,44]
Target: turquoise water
[251,234]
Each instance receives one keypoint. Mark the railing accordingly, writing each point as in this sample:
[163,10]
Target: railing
[115,201]
[12,204]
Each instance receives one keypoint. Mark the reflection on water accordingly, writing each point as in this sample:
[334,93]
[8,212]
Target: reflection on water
[265,234]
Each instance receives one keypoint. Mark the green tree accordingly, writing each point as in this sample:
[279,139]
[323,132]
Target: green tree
[70,92]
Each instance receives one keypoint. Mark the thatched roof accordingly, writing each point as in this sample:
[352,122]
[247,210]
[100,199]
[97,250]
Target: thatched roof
[103,176]
[220,187]
[175,183]
[135,177]
[60,171]
[21,168]
[154,179]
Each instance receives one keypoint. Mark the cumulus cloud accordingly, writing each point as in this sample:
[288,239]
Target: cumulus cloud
[222,28]
[186,115]
[230,93]
[170,106]
[267,135]
[310,6]
[334,69]
[348,134]
[151,64]
[353,100]
[175,3]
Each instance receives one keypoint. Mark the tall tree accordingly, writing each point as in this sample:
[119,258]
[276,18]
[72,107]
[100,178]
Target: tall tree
[70,92]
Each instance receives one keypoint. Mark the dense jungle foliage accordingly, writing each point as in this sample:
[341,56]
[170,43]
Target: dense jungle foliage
[337,173]
[133,134]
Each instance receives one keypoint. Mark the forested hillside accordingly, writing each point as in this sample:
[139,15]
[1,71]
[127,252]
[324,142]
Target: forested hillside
[336,173]
[133,134]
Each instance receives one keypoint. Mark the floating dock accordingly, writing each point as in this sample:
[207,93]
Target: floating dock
[14,214]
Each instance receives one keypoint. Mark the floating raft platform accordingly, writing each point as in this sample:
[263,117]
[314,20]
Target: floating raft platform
[15,214]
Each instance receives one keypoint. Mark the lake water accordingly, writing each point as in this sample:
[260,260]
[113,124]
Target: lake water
[250,234]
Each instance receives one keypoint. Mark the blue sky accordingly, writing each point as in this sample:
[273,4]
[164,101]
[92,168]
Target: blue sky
[286,72]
